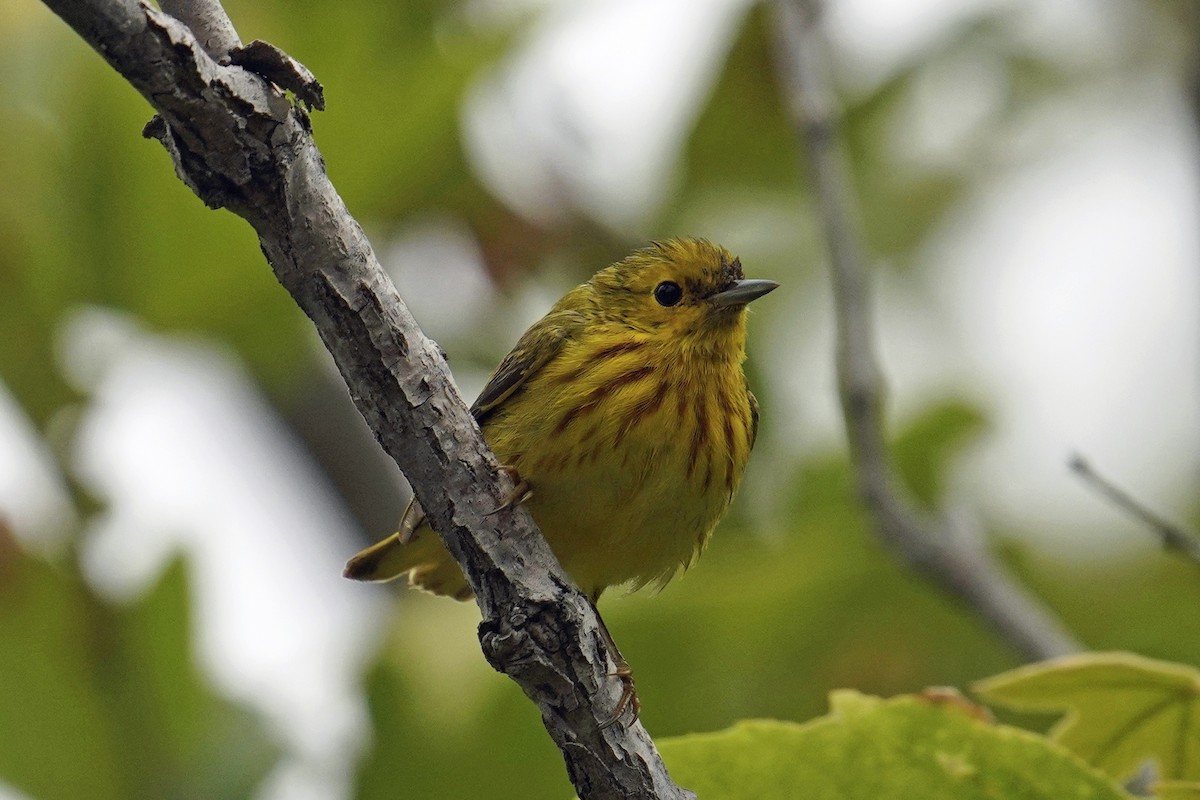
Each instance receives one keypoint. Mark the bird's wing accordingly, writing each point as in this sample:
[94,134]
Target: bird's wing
[753,417]
[532,352]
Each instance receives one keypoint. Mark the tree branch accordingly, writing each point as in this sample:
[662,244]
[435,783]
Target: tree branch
[944,554]
[239,144]
[1173,537]
[208,22]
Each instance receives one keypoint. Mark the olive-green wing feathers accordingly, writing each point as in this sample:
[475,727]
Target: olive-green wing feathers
[532,352]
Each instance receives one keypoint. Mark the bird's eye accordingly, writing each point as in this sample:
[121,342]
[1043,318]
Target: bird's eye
[668,293]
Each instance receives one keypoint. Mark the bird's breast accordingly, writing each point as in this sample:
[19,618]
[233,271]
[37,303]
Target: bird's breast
[632,459]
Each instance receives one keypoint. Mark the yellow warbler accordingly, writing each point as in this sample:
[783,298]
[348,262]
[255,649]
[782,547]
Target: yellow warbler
[625,418]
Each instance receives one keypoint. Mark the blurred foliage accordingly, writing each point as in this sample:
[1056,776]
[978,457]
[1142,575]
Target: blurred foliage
[99,699]
[719,156]
[1177,790]
[83,189]
[924,450]
[102,701]
[868,748]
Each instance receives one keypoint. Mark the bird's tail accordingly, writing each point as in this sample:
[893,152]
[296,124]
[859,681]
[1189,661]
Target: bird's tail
[416,551]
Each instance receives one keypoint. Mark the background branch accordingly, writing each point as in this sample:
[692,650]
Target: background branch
[239,144]
[1173,537]
[942,552]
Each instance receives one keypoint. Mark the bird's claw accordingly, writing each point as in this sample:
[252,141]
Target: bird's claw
[521,490]
[629,700]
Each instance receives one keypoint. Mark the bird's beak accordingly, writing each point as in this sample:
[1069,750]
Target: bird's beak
[739,293]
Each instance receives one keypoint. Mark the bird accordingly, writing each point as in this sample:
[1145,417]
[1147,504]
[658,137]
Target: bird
[625,420]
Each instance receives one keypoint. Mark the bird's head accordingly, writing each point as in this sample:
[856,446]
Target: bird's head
[685,291]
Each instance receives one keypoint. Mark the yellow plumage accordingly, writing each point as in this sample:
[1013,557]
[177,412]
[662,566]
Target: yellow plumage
[626,412]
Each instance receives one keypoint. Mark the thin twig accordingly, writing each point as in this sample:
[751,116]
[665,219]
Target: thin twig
[239,144]
[1173,537]
[940,551]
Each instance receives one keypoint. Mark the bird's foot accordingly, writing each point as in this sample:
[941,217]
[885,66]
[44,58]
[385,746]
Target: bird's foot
[629,700]
[520,492]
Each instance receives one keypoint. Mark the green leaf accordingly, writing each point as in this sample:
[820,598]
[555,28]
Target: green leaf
[1120,709]
[870,748]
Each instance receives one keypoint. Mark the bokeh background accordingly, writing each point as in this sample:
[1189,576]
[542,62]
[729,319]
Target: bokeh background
[182,474]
